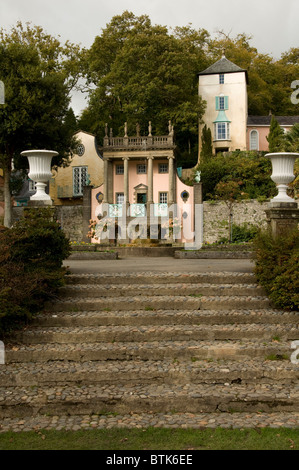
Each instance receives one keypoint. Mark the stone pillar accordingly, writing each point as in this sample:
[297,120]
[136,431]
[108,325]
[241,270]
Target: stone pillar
[126,178]
[282,217]
[86,212]
[171,180]
[198,217]
[150,180]
[105,199]
[110,182]
[197,193]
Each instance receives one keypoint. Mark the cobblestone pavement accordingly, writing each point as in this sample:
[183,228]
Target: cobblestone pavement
[158,420]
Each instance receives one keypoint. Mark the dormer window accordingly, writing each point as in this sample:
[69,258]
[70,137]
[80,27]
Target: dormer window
[221,78]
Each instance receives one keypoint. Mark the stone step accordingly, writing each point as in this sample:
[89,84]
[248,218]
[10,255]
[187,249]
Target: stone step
[164,398]
[159,302]
[148,372]
[171,420]
[88,291]
[154,350]
[163,317]
[157,333]
[161,278]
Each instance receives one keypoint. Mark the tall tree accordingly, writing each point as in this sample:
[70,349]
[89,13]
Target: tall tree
[275,137]
[35,69]
[143,73]
[206,144]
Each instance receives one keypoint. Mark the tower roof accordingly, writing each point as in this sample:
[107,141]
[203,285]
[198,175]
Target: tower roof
[223,65]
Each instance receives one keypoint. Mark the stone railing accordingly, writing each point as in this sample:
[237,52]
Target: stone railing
[138,142]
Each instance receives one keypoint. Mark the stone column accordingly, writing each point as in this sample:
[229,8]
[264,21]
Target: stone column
[105,199]
[150,179]
[150,187]
[126,178]
[86,212]
[171,180]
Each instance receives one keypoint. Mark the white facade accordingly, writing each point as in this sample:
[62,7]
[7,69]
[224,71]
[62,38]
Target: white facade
[224,88]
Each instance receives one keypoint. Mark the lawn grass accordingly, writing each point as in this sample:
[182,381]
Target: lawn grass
[153,439]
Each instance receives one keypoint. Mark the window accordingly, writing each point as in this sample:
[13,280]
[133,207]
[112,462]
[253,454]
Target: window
[221,78]
[141,169]
[120,198]
[80,150]
[254,140]
[119,169]
[222,131]
[163,167]
[163,198]
[80,178]
[221,103]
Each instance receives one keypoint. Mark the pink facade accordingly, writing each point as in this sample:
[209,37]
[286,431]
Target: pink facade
[160,181]
[257,137]
[184,195]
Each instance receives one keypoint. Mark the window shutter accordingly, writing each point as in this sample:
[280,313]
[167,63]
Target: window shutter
[217,103]
[226,102]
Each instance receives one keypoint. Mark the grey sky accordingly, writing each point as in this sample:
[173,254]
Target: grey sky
[272,23]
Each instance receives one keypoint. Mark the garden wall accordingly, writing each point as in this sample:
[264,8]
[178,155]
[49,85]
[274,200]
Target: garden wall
[71,220]
[216,217]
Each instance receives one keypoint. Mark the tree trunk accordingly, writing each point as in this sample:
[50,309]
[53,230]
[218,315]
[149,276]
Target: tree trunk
[7,198]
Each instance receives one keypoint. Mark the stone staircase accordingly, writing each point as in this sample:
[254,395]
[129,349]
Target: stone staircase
[153,349]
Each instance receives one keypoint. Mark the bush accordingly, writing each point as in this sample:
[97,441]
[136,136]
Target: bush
[243,233]
[31,256]
[276,268]
[252,169]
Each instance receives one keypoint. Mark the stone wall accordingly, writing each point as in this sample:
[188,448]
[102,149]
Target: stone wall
[216,217]
[71,220]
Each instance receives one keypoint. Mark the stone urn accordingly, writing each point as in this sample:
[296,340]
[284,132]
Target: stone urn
[282,173]
[40,172]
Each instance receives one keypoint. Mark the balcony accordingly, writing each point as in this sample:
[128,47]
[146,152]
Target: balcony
[140,143]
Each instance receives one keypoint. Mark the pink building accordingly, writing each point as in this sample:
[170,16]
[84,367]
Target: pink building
[258,128]
[141,184]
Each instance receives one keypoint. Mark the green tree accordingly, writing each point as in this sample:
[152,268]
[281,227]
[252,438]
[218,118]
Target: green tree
[35,69]
[206,144]
[292,139]
[143,73]
[276,136]
[253,169]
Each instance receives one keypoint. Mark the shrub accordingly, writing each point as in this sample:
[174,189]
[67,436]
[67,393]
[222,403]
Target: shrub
[243,233]
[31,255]
[276,267]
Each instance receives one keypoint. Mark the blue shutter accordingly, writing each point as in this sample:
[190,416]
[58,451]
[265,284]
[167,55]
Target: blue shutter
[217,103]
[226,102]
